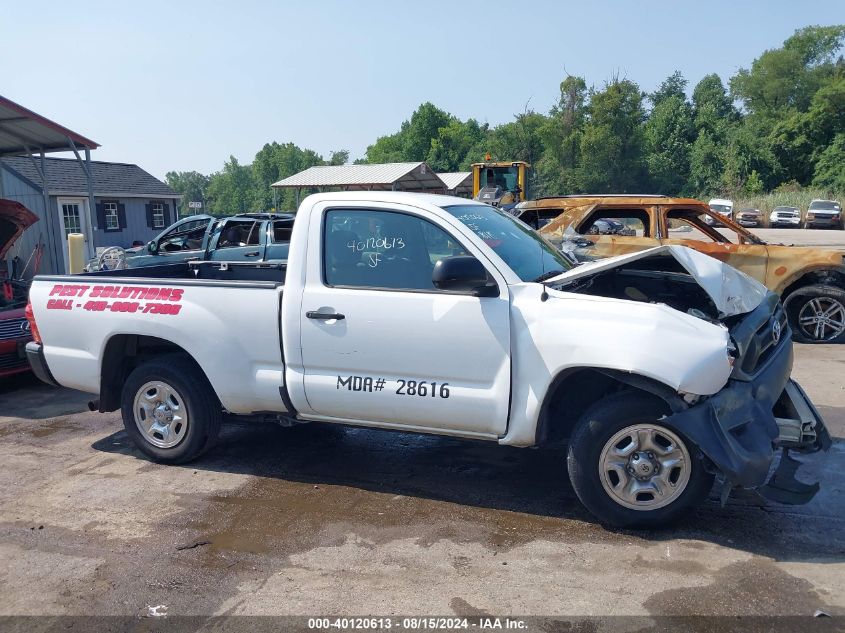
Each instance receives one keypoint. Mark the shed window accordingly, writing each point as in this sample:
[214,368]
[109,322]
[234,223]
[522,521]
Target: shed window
[112,220]
[158,215]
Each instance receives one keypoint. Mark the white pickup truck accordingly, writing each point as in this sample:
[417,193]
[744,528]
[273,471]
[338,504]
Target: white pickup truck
[661,369]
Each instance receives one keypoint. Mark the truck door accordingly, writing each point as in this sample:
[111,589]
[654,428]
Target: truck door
[381,344]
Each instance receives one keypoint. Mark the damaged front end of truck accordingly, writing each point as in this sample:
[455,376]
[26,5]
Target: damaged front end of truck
[748,429]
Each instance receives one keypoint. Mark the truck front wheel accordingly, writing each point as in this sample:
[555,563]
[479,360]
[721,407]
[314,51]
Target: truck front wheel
[630,468]
[170,410]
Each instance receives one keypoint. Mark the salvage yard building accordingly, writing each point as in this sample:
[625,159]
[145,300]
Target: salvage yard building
[111,204]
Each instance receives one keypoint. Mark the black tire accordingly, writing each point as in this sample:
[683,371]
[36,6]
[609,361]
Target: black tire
[798,301]
[195,394]
[595,429]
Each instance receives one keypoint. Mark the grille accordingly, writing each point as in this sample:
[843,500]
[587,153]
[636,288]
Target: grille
[764,342]
[11,361]
[12,329]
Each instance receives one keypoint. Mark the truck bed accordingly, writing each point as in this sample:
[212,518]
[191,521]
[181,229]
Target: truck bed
[224,315]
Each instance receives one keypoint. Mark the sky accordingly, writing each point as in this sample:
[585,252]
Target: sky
[183,85]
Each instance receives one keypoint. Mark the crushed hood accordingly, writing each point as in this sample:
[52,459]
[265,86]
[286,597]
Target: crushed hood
[733,292]
[14,220]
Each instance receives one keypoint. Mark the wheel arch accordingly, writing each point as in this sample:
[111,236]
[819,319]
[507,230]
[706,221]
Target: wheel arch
[575,389]
[123,353]
[821,275]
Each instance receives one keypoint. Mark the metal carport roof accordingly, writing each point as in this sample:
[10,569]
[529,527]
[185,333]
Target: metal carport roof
[22,131]
[455,179]
[385,176]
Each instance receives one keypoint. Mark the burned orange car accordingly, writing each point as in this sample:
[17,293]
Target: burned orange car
[811,281]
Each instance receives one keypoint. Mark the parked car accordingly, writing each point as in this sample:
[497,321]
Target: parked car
[749,217]
[789,217]
[811,281]
[262,237]
[824,214]
[442,315]
[14,328]
[723,207]
[606,227]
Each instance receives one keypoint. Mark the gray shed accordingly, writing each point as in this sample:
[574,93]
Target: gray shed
[129,205]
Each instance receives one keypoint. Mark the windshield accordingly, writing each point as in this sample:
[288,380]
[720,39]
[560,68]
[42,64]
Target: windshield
[505,177]
[720,208]
[824,205]
[530,256]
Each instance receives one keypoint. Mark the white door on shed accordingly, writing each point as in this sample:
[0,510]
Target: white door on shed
[73,218]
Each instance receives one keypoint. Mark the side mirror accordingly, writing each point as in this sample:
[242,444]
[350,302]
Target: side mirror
[463,273]
[152,247]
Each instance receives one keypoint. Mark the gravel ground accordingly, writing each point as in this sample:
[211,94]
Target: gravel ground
[324,520]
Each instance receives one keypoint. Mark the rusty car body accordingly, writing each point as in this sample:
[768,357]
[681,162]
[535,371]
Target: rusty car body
[810,281]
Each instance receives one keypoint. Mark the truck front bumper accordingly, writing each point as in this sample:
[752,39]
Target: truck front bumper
[741,429]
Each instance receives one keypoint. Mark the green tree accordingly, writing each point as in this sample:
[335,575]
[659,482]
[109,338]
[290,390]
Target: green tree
[714,116]
[674,85]
[413,140]
[191,185]
[424,126]
[706,165]
[452,147]
[339,157]
[276,161]
[668,136]
[558,169]
[747,151]
[788,77]
[386,149]
[231,191]
[612,143]
[713,110]
[830,168]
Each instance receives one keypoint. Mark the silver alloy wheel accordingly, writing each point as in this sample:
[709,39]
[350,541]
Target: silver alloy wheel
[160,414]
[644,467]
[822,318]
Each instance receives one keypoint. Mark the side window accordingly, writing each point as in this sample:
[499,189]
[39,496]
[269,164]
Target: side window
[185,237]
[685,224]
[282,230]
[383,249]
[628,222]
[239,233]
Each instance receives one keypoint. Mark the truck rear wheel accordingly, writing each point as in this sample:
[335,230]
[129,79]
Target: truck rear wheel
[630,468]
[170,410]
[817,314]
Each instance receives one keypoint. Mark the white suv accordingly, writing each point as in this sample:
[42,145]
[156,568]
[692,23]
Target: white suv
[785,216]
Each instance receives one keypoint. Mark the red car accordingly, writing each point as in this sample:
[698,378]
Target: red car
[14,328]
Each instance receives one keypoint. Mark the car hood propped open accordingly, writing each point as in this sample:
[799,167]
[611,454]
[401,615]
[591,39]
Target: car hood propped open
[732,292]
[14,220]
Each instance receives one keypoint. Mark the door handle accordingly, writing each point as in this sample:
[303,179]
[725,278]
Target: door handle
[324,316]
[251,254]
